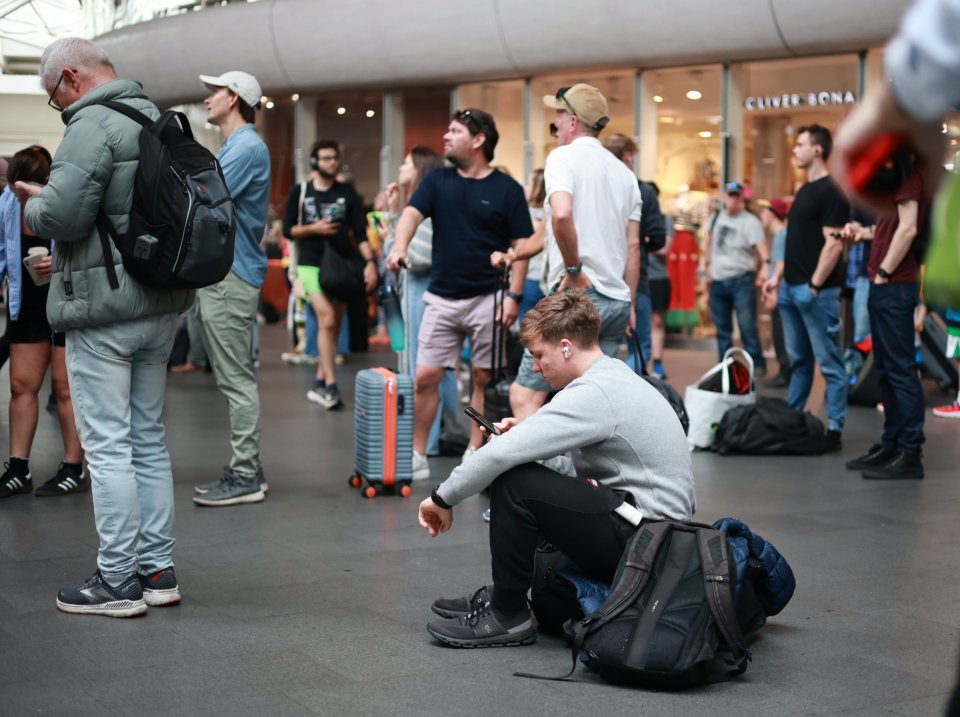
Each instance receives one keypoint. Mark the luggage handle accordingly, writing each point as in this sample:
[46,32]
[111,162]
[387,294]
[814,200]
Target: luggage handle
[728,359]
[496,359]
[641,366]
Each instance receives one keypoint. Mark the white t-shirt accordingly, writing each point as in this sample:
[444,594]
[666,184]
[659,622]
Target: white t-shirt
[732,245]
[605,197]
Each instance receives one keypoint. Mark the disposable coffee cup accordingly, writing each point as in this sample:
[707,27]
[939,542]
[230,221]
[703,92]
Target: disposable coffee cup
[35,254]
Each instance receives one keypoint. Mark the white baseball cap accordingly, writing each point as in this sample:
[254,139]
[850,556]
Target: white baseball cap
[242,83]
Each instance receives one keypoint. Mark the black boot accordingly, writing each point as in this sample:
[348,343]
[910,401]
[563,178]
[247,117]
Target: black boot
[875,457]
[903,466]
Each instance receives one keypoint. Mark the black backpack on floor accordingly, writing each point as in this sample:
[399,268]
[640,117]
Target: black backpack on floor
[183,221]
[768,427]
[669,622]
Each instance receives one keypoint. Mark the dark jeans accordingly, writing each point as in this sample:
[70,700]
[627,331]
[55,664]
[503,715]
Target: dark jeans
[780,343]
[531,504]
[737,294]
[891,323]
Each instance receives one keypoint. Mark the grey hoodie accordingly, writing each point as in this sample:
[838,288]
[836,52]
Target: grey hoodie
[618,430]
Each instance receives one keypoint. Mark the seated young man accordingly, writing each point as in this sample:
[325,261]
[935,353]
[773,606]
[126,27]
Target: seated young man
[625,442]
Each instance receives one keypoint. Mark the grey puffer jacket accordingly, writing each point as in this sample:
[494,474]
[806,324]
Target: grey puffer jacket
[94,168]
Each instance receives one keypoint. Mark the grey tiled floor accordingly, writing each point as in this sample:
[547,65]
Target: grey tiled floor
[314,602]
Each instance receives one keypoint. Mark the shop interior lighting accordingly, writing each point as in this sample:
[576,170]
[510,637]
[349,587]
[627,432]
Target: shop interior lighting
[263,99]
[667,119]
[371,113]
[694,95]
[295,97]
[658,99]
[341,110]
[269,105]
[706,134]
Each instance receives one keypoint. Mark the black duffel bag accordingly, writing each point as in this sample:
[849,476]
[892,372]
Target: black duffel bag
[769,427]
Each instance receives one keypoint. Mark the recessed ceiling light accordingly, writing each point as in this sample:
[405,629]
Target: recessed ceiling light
[694,95]
[371,113]
[341,110]
[667,119]
[269,104]
[295,97]
[705,134]
[658,99]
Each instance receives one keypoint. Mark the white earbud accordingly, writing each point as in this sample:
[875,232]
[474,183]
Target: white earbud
[565,351]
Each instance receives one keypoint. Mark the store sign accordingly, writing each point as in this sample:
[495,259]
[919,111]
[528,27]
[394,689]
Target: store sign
[812,99]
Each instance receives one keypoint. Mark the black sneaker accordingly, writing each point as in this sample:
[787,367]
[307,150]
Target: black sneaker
[483,628]
[457,607]
[12,483]
[67,480]
[903,466]
[831,442]
[875,457]
[328,397]
[97,597]
[160,588]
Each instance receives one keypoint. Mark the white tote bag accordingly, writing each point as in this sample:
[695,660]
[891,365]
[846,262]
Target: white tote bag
[705,408]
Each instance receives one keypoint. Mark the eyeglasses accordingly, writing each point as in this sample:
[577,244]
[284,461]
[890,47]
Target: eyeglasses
[562,95]
[468,120]
[53,94]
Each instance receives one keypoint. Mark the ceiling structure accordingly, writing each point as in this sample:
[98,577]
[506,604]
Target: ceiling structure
[28,26]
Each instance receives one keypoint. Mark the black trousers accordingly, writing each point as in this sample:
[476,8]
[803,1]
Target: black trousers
[891,323]
[530,504]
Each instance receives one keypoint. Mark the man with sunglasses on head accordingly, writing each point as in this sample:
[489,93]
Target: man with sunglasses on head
[594,204]
[476,211]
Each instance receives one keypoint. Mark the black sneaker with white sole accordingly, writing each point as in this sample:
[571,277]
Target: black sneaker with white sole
[485,627]
[160,587]
[69,479]
[456,607]
[12,482]
[210,485]
[98,597]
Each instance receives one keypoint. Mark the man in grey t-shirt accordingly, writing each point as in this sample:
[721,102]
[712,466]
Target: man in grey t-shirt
[731,260]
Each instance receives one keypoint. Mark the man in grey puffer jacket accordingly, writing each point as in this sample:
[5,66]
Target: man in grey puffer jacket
[118,341]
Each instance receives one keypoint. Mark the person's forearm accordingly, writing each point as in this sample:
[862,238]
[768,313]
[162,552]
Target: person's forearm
[565,232]
[366,251]
[829,256]
[518,275]
[299,231]
[405,229]
[533,245]
[900,244]
[631,274]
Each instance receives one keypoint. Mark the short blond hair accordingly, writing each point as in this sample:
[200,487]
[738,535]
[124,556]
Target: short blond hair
[567,315]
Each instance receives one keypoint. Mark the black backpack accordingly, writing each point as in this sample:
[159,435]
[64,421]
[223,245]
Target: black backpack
[663,388]
[183,221]
[769,427]
[669,622]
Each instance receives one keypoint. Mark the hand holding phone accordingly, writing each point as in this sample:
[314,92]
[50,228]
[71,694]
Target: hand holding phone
[482,421]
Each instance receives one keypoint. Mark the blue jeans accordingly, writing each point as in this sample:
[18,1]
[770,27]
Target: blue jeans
[117,378]
[311,329]
[811,327]
[861,312]
[891,316]
[531,295]
[414,286]
[644,309]
[737,294]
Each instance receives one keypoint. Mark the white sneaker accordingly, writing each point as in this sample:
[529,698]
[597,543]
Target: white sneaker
[421,467]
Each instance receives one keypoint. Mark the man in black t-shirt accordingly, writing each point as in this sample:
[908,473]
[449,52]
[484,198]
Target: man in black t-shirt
[476,211]
[809,280]
[322,214]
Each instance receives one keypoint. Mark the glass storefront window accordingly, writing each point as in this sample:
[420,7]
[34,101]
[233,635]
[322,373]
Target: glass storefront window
[681,124]
[772,100]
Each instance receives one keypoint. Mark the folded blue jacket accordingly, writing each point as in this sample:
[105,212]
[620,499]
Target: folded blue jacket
[776,583]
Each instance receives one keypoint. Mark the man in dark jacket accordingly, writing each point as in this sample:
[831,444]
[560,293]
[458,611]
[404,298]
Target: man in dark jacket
[118,341]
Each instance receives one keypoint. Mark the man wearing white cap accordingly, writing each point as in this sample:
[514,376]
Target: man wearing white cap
[228,309]
[594,203]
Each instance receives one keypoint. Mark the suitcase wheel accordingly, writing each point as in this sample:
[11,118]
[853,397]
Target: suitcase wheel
[405,490]
[355,481]
[370,492]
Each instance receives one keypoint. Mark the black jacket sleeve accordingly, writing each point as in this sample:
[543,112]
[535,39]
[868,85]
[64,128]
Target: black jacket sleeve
[291,214]
[653,228]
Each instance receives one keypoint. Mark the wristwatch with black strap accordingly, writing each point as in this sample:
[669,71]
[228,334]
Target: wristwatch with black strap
[883,273]
[514,295]
[440,502]
[574,270]
[813,286]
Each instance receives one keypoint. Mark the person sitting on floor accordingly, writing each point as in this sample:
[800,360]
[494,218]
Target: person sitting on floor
[625,444]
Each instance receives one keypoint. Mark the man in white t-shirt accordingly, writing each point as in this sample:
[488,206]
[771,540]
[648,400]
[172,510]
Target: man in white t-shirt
[736,241]
[594,206]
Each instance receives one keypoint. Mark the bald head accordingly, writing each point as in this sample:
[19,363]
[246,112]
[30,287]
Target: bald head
[79,56]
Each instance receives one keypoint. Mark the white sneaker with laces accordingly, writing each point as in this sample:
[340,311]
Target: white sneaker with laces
[421,467]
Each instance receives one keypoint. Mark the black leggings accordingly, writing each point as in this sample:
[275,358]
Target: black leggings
[530,504]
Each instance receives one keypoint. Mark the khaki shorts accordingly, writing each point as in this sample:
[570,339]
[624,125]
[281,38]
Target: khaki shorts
[445,324]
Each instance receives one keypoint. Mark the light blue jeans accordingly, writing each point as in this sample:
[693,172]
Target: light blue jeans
[413,307]
[811,327]
[861,312]
[117,378]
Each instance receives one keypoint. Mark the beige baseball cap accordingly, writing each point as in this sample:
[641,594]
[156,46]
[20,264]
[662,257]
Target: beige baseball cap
[583,100]
[243,84]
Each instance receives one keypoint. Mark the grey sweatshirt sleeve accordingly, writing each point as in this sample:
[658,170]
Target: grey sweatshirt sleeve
[579,415]
[923,59]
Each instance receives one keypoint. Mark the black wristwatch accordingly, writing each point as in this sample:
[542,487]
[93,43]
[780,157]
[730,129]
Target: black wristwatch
[440,502]
[515,296]
[883,273]
[574,270]
[814,286]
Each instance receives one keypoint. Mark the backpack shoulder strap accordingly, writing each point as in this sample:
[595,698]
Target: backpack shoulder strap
[105,231]
[635,568]
[715,564]
[303,195]
[125,109]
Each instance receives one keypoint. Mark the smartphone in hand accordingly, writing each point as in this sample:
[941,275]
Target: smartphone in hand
[481,420]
